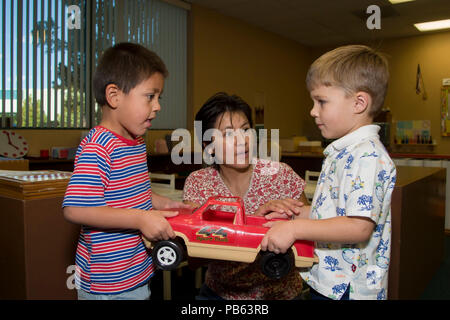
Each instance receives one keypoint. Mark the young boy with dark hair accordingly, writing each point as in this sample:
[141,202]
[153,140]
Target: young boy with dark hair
[350,215]
[109,193]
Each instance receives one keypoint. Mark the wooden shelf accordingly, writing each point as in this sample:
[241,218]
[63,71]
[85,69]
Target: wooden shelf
[413,148]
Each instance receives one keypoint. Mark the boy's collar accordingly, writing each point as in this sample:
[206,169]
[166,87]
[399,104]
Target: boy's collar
[131,142]
[352,138]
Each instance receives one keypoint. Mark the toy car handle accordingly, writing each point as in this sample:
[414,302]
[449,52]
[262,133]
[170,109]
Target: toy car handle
[222,197]
[213,201]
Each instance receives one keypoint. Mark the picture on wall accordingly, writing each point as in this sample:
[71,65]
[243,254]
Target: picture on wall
[445,108]
[413,131]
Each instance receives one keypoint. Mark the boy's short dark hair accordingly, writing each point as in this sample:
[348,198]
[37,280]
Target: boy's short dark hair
[125,65]
[353,68]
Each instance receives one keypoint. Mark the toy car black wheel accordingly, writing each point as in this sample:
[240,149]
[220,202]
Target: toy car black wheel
[167,254]
[276,266]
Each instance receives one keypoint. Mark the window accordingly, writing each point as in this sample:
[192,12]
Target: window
[49,50]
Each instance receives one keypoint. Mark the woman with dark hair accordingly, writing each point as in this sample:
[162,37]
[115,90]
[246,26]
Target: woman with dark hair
[264,191]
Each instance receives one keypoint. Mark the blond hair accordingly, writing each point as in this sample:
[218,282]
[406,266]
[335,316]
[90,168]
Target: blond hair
[353,68]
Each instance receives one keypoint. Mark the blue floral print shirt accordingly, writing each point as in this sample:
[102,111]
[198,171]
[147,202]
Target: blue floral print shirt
[357,179]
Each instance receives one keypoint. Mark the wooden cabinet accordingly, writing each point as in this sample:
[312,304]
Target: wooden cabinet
[37,244]
[418,213]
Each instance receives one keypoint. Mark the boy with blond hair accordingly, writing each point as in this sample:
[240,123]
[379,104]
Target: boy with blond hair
[350,215]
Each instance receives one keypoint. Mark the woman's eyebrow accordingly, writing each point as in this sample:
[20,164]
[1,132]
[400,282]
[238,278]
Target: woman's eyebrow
[227,128]
[230,127]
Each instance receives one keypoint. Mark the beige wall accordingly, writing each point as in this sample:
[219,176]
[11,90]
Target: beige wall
[232,56]
[431,51]
[46,139]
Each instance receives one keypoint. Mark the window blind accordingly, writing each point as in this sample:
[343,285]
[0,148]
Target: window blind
[48,59]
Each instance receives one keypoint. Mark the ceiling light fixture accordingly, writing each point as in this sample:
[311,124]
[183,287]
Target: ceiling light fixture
[433,25]
[399,1]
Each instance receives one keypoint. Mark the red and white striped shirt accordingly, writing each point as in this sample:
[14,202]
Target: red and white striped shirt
[110,171]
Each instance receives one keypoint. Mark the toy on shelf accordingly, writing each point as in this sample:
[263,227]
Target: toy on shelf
[214,233]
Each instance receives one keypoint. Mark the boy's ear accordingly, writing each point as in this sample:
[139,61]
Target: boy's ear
[113,95]
[362,101]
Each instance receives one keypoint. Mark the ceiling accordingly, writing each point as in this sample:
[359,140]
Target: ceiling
[331,22]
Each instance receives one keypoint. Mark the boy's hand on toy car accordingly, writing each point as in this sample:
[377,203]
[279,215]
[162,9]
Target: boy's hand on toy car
[154,225]
[282,208]
[279,238]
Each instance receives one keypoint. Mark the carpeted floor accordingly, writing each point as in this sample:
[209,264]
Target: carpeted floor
[439,286]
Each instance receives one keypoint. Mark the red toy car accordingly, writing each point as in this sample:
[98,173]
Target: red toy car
[209,232]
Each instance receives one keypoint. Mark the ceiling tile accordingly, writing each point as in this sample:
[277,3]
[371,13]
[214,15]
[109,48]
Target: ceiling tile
[329,22]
